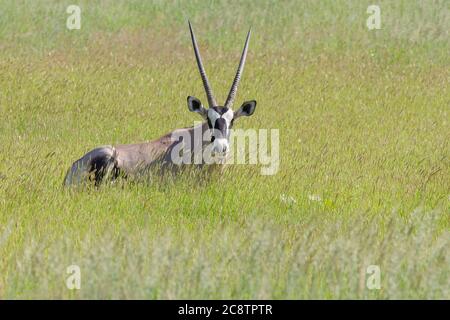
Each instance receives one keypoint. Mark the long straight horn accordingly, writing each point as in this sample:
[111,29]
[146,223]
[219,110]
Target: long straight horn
[208,90]
[239,71]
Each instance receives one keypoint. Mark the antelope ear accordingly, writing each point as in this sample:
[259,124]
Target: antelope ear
[246,109]
[195,105]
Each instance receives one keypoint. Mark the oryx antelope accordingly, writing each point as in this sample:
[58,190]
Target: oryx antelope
[131,159]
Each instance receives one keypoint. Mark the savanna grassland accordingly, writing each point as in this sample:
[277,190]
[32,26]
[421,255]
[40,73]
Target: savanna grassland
[364,176]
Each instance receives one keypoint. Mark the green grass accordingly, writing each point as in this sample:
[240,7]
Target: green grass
[364,125]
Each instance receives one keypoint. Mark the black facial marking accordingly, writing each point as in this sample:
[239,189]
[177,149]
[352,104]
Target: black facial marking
[220,110]
[196,104]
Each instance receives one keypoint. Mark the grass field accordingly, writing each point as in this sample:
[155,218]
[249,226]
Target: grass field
[364,177]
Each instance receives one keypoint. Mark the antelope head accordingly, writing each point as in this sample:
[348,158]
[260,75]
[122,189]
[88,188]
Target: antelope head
[220,118]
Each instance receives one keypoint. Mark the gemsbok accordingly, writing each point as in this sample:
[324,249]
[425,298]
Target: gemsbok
[133,159]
